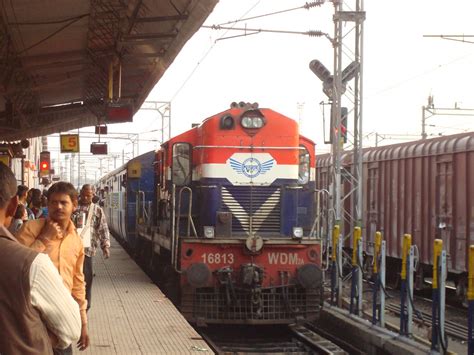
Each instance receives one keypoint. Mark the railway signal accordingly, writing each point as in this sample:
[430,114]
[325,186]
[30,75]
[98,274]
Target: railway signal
[45,164]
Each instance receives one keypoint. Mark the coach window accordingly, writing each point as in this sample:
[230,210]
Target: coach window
[181,168]
[303,169]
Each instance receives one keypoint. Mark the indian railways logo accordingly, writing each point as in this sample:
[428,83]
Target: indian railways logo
[251,167]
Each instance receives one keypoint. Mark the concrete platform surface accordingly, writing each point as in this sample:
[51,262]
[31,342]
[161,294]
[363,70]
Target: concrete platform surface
[130,315]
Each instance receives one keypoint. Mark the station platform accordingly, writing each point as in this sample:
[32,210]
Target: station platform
[130,315]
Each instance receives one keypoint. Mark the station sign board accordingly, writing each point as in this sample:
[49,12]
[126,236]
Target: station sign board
[100,129]
[99,148]
[69,143]
[118,112]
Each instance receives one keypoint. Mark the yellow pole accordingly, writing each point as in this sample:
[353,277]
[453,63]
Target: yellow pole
[335,239]
[355,242]
[438,248]
[378,246]
[405,250]
[470,285]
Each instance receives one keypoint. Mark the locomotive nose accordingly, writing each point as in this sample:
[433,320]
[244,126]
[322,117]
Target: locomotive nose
[310,276]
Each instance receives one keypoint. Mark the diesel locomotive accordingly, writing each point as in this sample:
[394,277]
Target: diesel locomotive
[224,213]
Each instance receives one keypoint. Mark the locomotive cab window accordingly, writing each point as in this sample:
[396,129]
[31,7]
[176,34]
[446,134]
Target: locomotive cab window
[181,168]
[303,168]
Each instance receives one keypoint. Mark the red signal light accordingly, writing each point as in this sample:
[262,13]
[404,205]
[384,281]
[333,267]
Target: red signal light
[44,164]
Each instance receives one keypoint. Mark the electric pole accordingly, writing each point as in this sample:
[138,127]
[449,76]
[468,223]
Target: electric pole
[353,32]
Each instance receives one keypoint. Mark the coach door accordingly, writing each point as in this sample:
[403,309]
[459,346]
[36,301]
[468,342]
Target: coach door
[444,203]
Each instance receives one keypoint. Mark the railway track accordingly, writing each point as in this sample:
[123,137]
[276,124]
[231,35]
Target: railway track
[452,329]
[293,339]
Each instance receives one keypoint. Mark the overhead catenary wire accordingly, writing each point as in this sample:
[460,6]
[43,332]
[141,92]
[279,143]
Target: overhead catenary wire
[259,30]
[306,6]
[204,57]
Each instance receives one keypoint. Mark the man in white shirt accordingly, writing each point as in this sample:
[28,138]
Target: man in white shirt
[35,301]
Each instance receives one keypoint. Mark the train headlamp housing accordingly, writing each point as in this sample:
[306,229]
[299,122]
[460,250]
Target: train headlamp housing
[209,232]
[252,119]
[252,122]
[297,232]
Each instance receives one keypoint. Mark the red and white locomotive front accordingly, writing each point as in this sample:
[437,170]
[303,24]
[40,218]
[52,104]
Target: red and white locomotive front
[254,259]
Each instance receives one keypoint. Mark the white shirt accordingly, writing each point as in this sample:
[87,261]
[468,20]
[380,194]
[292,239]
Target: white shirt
[50,297]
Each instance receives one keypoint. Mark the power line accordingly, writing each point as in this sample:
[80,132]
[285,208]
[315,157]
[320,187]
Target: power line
[204,57]
[306,6]
[260,30]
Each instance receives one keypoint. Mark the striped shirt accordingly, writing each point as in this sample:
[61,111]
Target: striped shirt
[66,253]
[58,309]
[100,235]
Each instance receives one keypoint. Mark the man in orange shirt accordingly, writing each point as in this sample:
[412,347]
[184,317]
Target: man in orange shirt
[57,237]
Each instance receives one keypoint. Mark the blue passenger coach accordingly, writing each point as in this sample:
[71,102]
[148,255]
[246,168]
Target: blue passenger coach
[129,191]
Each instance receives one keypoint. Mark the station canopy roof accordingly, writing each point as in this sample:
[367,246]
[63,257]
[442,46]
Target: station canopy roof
[56,55]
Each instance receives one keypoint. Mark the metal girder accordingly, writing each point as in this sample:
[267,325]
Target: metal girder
[148,36]
[65,55]
[352,23]
[16,83]
[162,18]
[104,28]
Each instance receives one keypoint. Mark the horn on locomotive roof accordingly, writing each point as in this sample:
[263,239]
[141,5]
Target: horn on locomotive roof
[246,105]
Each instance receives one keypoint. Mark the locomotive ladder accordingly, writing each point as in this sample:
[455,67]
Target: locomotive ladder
[190,222]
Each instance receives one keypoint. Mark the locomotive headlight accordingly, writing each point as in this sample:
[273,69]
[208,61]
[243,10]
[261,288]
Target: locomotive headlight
[252,122]
[247,122]
[209,232]
[297,232]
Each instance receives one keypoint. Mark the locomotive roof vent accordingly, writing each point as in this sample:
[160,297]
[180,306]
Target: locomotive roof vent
[244,105]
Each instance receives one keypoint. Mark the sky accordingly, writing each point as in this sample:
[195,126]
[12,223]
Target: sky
[401,68]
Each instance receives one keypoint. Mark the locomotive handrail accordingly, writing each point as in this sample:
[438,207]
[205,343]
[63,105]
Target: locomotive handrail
[178,217]
[143,213]
[189,214]
[137,207]
[173,234]
[317,223]
[245,147]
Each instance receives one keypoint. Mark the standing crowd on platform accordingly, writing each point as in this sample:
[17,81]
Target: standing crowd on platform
[47,243]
